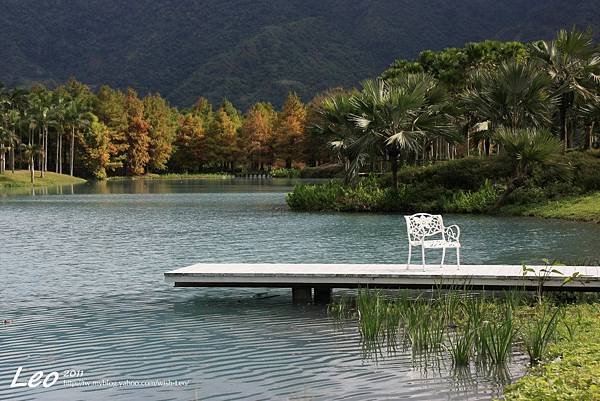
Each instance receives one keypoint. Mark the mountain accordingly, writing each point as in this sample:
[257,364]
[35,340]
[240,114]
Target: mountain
[251,50]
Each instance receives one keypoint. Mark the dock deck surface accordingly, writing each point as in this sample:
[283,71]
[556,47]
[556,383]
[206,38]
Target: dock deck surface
[380,275]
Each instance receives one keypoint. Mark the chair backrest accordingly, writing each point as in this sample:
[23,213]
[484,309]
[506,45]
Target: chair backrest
[423,225]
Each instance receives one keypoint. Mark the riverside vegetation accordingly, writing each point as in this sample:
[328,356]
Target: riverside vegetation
[517,129]
[569,189]
[483,331]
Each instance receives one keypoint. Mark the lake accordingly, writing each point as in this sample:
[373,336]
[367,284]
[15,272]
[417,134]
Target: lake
[82,288]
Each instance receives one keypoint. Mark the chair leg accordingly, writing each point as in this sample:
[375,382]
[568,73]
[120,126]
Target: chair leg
[443,256]
[409,255]
[458,258]
[423,256]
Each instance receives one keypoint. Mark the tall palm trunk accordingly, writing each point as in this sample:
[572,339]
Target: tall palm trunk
[562,115]
[32,169]
[2,159]
[60,155]
[57,152]
[12,158]
[41,153]
[72,151]
[45,149]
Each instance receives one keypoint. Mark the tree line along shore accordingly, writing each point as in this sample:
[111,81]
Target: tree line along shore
[486,127]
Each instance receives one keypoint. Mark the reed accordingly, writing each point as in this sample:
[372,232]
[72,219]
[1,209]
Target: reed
[371,307]
[340,310]
[424,325]
[461,347]
[496,339]
[540,331]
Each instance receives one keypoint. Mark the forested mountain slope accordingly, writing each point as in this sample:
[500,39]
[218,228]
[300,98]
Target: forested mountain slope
[251,50]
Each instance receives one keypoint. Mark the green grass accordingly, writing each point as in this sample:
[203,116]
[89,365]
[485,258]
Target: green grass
[21,178]
[570,369]
[173,176]
[584,208]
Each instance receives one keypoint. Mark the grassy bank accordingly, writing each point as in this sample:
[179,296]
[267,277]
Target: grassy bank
[22,178]
[570,189]
[583,208]
[571,367]
[172,176]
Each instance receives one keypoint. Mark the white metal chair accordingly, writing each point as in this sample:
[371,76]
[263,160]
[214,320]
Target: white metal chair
[422,226]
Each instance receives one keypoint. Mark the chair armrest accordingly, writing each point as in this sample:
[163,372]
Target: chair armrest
[452,233]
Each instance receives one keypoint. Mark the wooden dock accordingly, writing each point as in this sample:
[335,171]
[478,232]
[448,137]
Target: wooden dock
[302,278]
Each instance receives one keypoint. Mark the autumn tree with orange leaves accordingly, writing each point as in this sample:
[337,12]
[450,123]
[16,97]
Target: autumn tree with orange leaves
[290,130]
[137,136]
[257,135]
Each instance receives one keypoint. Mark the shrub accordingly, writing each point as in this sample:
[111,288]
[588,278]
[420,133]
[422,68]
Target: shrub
[467,174]
[586,166]
[469,185]
[324,171]
[472,202]
[285,173]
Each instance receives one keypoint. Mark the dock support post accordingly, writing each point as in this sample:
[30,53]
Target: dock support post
[301,295]
[322,295]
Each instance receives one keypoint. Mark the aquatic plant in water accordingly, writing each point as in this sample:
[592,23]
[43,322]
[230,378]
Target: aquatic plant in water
[540,330]
[496,338]
[461,346]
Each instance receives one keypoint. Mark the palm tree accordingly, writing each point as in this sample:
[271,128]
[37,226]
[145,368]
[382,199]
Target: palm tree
[58,122]
[5,108]
[77,117]
[513,95]
[393,117]
[335,124]
[14,121]
[573,63]
[3,149]
[43,116]
[525,149]
[30,151]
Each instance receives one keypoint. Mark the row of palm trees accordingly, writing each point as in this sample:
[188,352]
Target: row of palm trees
[556,89]
[29,118]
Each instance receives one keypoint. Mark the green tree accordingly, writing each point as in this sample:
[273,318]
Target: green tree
[189,149]
[394,117]
[110,109]
[572,61]
[162,122]
[95,143]
[452,66]
[335,126]
[222,147]
[317,141]
[513,95]
[77,118]
[525,149]
[30,151]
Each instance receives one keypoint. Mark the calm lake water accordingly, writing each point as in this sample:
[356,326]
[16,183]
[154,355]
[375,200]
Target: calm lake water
[82,286]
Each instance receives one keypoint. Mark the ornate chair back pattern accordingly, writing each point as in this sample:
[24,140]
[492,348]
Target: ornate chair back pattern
[424,225]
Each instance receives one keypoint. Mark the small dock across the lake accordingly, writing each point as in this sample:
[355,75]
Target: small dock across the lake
[304,278]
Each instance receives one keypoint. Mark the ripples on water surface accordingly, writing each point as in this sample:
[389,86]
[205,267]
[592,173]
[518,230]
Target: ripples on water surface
[82,283]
